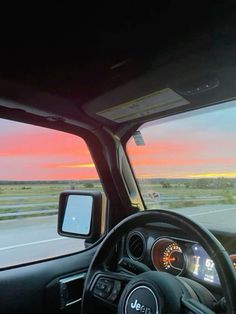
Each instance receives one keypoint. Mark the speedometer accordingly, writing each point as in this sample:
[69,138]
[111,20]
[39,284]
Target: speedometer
[233,259]
[167,256]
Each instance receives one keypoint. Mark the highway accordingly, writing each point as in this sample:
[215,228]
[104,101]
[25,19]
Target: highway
[218,215]
[29,239]
[25,240]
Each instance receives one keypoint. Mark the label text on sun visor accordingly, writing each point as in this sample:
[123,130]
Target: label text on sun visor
[144,106]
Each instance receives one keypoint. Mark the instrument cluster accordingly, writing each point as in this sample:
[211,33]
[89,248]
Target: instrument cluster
[182,257]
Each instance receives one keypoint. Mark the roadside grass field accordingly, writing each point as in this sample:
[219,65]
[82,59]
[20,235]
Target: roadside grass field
[23,197]
[42,197]
[179,190]
[178,196]
[41,189]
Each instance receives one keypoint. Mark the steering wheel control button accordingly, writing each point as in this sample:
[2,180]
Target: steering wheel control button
[141,300]
[103,287]
[115,292]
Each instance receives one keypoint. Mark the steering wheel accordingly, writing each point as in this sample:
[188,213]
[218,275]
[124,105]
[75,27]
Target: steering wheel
[152,292]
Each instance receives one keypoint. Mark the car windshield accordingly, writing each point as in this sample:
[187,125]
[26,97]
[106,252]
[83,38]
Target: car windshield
[187,163]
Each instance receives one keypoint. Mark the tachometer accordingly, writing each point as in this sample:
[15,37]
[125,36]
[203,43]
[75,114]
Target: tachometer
[167,256]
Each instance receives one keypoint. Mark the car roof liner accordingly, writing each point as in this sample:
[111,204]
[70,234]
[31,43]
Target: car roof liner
[83,60]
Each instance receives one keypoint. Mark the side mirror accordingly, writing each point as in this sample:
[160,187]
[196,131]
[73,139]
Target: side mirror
[80,214]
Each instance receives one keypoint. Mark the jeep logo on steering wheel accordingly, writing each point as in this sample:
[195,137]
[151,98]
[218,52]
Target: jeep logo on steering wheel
[141,300]
[140,307]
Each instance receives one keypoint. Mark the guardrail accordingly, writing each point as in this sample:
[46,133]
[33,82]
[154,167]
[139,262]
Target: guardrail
[29,213]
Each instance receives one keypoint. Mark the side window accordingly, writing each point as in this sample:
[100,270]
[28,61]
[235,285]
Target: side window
[36,165]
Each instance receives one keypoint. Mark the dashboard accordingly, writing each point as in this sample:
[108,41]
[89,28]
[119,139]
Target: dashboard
[173,253]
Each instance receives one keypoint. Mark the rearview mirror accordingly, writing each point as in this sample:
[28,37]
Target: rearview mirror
[80,214]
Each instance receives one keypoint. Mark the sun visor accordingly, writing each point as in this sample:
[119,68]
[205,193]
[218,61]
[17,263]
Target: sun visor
[144,106]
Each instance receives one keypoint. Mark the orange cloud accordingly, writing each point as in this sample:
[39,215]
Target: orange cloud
[213,175]
[71,165]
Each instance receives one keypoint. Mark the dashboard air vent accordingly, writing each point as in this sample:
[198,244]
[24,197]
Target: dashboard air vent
[136,245]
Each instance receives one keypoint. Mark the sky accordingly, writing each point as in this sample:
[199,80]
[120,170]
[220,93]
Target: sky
[29,152]
[200,145]
[196,146]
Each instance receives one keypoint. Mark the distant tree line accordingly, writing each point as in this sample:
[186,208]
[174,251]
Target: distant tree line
[201,183]
[165,184]
[217,183]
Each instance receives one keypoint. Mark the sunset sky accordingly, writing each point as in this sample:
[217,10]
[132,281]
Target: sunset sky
[34,153]
[202,145]
[196,146]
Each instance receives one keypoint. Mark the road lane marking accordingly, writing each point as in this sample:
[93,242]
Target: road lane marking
[29,243]
[211,212]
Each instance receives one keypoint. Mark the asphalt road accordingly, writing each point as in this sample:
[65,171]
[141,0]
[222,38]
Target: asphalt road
[213,216]
[28,239]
